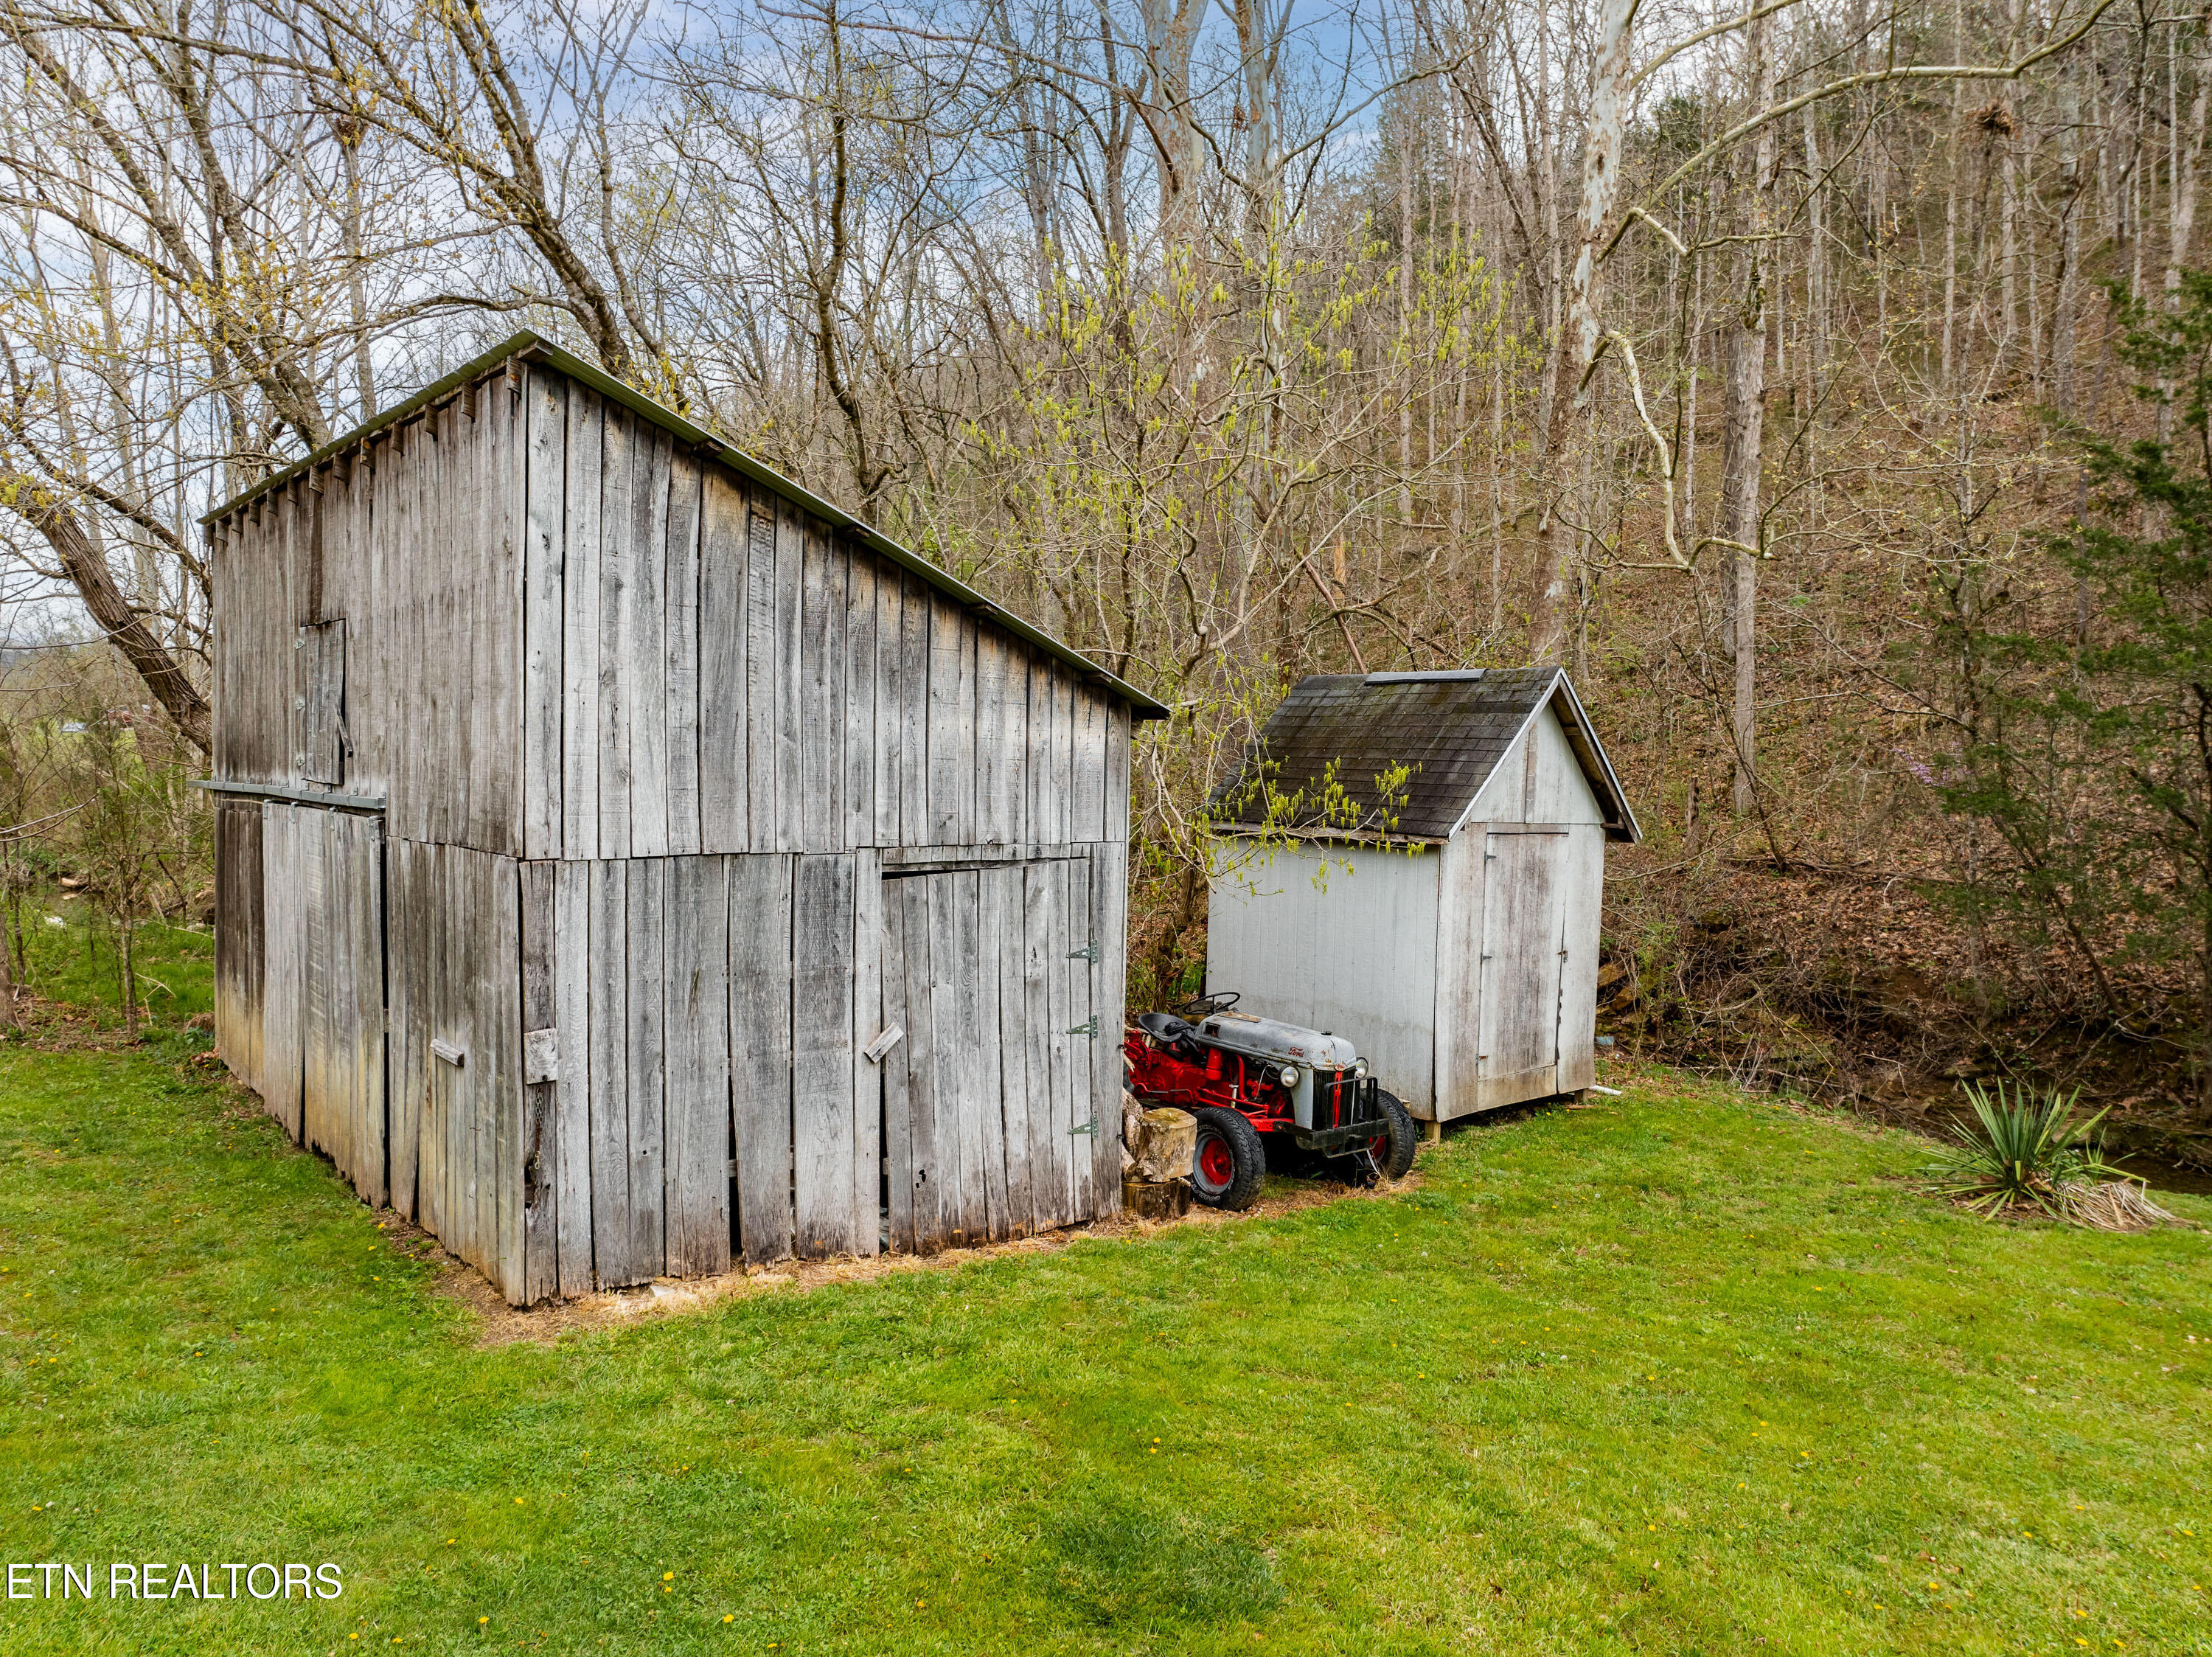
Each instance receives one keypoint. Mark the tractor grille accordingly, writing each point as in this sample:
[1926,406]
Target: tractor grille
[1342,1099]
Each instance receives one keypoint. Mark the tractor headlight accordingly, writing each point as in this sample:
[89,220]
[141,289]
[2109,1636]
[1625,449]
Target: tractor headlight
[1290,1074]
[1360,1069]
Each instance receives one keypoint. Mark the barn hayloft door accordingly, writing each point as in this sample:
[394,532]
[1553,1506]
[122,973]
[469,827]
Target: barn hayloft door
[1524,900]
[990,1114]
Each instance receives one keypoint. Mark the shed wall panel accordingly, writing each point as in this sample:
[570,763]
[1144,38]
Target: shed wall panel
[1356,954]
[1581,921]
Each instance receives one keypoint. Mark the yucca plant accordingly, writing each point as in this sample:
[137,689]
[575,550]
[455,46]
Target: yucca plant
[2021,1149]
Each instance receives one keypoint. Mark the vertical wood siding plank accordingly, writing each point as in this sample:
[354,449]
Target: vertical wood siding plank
[580,627]
[455,1109]
[646,655]
[897,1084]
[914,818]
[760,1051]
[1041,931]
[761,675]
[572,975]
[1037,774]
[541,1136]
[283,1037]
[1119,735]
[543,623]
[984,1069]
[648,1244]
[867,1024]
[722,718]
[890,607]
[1066,740]
[1091,761]
[499,1028]
[500,668]
[965,776]
[319,959]
[374,1038]
[959,1060]
[1109,887]
[989,736]
[857,760]
[698,1109]
[932,1129]
[1014,790]
[430,1022]
[822,690]
[791,536]
[683,645]
[404,912]
[475,1118]
[609,1129]
[1084,1197]
[1013,1054]
[617,619]
[823,1056]
[948,724]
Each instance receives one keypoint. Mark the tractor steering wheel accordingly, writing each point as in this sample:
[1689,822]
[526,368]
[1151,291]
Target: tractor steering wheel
[1203,1007]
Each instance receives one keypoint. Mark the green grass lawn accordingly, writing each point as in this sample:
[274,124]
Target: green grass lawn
[1684,1371]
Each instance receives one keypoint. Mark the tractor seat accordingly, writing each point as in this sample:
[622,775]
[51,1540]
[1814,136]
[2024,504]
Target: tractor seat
[1165,1028]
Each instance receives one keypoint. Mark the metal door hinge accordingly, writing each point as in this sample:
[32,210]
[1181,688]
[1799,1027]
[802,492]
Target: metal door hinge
[1090,1029]
[1088,1128]
[1088,952]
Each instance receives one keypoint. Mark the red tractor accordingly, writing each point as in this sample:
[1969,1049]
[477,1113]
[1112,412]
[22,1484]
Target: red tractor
[1253,1082]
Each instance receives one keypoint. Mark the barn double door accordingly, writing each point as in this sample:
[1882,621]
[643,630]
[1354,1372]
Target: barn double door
[994,1125]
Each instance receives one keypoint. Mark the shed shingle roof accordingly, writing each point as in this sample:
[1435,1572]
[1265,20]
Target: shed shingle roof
[1450,730]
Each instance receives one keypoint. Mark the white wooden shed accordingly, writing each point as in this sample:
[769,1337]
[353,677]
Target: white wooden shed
[1447,925]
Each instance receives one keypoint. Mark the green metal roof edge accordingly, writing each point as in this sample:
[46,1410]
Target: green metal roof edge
[529,344]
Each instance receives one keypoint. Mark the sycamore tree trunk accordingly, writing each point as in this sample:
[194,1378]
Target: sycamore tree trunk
[1743,434]
[1578,339]
[126,627]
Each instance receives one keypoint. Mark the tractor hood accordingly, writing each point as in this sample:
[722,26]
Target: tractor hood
[1277,1042]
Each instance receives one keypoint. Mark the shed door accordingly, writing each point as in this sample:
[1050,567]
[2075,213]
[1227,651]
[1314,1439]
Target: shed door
[1525,883]
[990,1123]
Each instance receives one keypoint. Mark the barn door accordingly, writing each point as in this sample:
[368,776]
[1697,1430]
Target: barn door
[1523,907]
[322,1061]
[990,1124]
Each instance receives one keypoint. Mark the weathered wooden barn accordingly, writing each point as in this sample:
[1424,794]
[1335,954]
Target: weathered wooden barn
[627,863]
[1417,863]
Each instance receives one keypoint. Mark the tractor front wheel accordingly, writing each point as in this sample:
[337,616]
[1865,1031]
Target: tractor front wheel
[1226,1168]
[1391,1153]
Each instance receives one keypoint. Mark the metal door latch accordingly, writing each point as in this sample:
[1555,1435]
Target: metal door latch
[1088,952]
[1091,1029]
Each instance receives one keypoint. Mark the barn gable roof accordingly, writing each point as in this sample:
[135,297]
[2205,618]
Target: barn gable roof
[531,347]
[1450,729]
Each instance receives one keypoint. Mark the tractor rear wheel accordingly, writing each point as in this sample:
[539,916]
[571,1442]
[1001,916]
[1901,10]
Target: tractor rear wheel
[1391,1153]
[1226,1168]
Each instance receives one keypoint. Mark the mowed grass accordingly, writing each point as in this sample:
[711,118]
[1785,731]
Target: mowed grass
[1682,1371]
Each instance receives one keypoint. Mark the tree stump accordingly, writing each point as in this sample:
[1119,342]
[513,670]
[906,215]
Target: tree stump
[1156,1199]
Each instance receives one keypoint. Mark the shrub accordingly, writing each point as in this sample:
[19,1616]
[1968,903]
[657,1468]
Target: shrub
[2024,1148]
